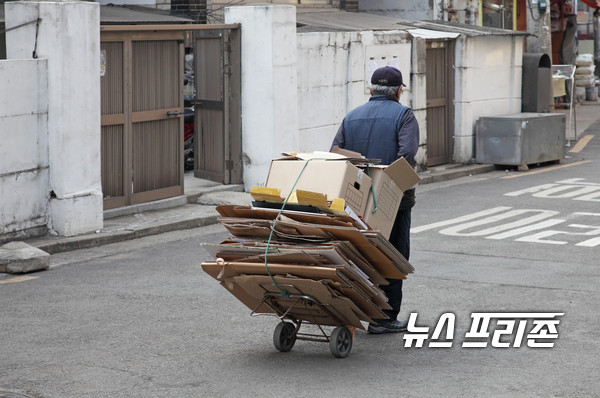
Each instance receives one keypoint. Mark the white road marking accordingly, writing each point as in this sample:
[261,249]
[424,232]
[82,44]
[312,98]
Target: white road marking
[550,193]
[459,219]
[532,225]
[526,229]
[456,230]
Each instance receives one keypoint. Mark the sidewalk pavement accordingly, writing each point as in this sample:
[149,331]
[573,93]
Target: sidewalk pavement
[196,207]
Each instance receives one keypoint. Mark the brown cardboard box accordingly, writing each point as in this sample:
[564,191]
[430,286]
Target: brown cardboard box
[334,178]
[388,186]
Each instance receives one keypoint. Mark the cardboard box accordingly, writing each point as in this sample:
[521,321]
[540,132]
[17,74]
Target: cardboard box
[334,178]
[388,186]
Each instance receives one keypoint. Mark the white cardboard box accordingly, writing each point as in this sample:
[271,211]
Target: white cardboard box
[335,178]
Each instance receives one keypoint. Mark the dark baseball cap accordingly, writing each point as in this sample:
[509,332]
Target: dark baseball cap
[387,76]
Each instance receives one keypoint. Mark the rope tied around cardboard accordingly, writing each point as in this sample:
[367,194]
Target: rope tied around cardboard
[284,293]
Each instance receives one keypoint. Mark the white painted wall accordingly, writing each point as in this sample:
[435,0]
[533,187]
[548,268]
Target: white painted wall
[328,76]
[488,82]
[333,78]
[414,10]
[269,84]
[164,5]
[69,38]
[147,3]
[24,174]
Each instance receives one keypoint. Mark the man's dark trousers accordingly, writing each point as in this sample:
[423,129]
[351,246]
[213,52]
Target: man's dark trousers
[400,238]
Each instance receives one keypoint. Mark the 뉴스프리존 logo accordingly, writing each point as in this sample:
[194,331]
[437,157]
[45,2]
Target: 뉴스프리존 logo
[508,329]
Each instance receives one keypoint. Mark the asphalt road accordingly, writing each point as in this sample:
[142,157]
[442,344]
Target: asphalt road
[141,319]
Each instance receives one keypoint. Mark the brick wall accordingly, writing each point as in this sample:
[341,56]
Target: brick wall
[193,9]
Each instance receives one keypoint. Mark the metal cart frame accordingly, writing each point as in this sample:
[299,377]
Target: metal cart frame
[286,333]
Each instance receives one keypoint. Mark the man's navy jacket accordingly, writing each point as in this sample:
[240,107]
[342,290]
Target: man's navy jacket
[382,129]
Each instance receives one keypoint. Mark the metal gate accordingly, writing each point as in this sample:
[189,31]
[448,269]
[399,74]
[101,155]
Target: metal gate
[217,122]
[141,106]
[440,93]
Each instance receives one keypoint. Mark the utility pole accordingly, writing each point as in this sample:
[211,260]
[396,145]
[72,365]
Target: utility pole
[538,26]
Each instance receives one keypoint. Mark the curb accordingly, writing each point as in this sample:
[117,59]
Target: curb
[453,174]
[193,197]
[59,245]
[169,203]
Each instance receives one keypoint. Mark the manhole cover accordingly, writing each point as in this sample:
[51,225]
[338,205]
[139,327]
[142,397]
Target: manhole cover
[12,394]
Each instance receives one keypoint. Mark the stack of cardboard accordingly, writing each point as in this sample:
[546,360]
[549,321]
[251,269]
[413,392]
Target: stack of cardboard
[324,257]
[321,268]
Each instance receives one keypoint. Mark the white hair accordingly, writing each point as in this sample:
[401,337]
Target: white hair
[388,91]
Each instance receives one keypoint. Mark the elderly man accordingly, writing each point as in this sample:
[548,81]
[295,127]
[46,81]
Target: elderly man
[387,130]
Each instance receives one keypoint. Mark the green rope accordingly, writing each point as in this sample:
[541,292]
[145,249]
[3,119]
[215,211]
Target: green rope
[376,206]
[283,292]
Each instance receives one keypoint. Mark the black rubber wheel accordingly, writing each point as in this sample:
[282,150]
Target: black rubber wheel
[340,342]
[284,337]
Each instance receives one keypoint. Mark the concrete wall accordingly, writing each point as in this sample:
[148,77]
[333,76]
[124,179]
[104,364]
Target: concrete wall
[24,173]
[269,101]
[465,11]
[69,39]
[488,83]
[146,3]
[406,9]
[333,73]
[164,5]
[296,100]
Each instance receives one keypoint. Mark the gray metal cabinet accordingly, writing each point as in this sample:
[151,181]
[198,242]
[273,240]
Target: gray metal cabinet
[520,139]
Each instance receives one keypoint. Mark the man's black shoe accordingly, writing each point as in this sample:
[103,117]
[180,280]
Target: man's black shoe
[387,326]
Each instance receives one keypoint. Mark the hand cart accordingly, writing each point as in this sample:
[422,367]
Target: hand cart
[302,307]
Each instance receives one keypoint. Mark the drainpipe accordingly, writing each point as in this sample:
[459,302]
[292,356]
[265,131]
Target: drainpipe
[597,40]
[471,14]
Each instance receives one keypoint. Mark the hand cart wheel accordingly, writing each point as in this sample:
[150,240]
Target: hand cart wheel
[340,342]
[284,336]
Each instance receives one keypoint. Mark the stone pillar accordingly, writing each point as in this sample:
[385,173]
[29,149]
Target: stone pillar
[269,85]
[68,36]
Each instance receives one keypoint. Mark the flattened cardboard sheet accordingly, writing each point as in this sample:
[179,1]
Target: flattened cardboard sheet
[331,310]
[390,251]
[376,258]
[221,271]
[290,226]
[352,256]
[354,157]
[382,263]
[249,301]
[296,258]
[335,252]
[360,295]
[270,214]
